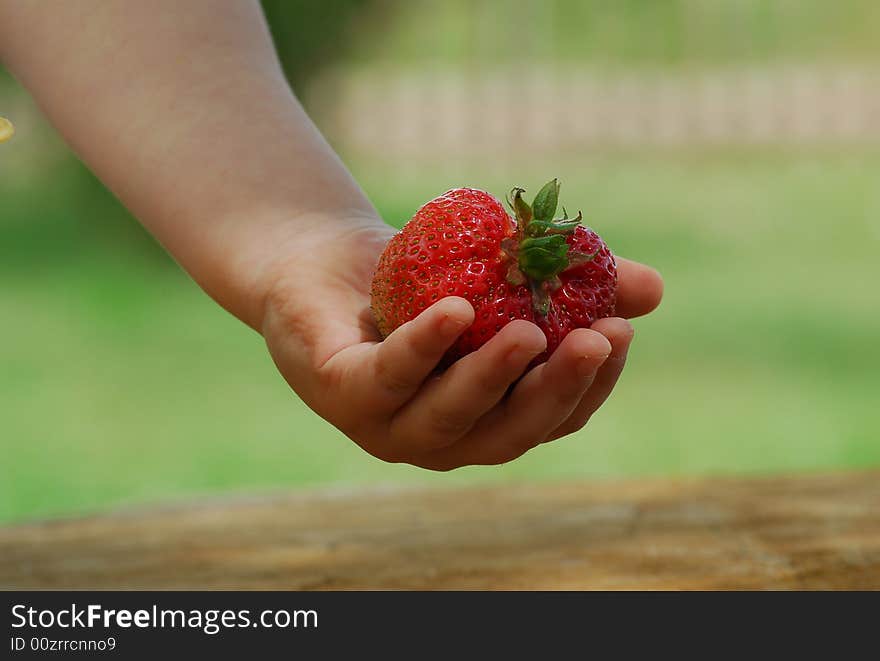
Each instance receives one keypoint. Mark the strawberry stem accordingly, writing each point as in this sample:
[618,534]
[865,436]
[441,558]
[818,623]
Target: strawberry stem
[541,248]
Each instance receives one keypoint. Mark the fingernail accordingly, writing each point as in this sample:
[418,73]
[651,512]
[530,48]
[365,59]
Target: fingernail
[587,365]
[451,325]
[621,355]
[519,355]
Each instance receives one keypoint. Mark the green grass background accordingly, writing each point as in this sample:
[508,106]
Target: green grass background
[121,382]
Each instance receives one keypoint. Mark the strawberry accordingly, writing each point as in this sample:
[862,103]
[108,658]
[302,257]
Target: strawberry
[557,273]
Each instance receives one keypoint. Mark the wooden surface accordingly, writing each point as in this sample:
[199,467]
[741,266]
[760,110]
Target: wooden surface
[804,532]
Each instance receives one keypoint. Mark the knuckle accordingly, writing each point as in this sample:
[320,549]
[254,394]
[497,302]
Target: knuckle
[518,445]
[438,466]
[422,347]
[390,376]
[388,455]
[380,443]
[565,398]
[444,468]
[415,339]
[492,380]
[570,427]
[563,430]
[500,457]
[444,425]
[330,381]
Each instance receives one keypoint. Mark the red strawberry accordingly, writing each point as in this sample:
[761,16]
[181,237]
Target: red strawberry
[555,273]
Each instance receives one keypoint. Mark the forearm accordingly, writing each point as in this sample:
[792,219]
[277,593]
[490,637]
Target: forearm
[182,110]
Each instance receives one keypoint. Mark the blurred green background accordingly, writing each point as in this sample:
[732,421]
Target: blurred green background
[732,145]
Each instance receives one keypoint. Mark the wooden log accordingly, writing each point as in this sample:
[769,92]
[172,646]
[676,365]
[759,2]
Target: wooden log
[819,531]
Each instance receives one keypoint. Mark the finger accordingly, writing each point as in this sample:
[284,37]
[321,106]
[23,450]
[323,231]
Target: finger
[402,361]
[544,398]
[446,408]
[619,333]
[639,288]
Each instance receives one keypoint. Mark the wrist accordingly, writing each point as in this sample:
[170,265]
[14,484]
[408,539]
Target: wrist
[310,256]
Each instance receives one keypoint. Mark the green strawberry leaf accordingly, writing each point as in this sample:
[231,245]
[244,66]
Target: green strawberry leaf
[544,206]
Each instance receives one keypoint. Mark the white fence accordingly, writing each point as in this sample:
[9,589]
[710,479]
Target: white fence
[551,110]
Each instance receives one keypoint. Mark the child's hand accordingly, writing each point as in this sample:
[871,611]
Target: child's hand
[386,396]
